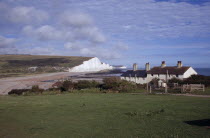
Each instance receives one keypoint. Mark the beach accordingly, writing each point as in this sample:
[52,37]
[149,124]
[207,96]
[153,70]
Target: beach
[45,81]
[42,80]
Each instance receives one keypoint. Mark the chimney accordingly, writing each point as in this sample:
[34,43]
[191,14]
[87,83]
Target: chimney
[147,66]
[163,64]
[179,64]
[135,67]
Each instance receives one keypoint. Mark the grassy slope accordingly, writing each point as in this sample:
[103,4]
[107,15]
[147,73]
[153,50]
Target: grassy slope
[102,115]
[12,65]
[72,60]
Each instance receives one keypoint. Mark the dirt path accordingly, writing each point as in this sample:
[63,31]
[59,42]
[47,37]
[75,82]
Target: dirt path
[193,95]
[44,81]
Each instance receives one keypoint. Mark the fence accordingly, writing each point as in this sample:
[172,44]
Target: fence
[192,87]
[176,88]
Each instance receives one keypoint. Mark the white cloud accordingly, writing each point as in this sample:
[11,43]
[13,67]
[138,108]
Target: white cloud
[99,52]
[151,19]
[21,14]
[121,46]
[7,42]
[24,14]
[91,33]
[127,27]
[47,50]
[72,46]
[176,46]
[75,19]
[45,32]
[7,45]
[80,28]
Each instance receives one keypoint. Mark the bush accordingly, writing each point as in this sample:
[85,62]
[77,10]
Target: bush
[154,82]
[36,89]
[111,83]
[126,86]
[197,79]
[67,86]
[175,80]
[18,91]
[88,90]
[116,84]
[84,84]
[53,89]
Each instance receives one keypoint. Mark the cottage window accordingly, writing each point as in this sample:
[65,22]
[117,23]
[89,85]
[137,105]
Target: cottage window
[152,74]
[177,75]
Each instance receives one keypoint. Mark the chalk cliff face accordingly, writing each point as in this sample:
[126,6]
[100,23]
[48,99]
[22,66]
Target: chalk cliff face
[93,64]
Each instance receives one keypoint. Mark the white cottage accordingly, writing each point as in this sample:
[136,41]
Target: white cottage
[162,72]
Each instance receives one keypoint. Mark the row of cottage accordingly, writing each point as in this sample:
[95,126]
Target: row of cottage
[162,72]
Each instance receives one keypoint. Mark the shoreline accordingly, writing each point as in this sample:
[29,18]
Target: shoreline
[46,80]
[7,84]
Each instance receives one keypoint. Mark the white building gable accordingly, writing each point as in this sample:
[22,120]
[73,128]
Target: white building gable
[189,72]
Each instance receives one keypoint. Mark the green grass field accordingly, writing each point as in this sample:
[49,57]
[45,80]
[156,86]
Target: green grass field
[102,115]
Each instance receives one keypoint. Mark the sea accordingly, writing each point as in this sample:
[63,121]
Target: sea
[203,71]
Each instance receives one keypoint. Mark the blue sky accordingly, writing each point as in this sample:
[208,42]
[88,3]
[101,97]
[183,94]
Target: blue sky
[116,31]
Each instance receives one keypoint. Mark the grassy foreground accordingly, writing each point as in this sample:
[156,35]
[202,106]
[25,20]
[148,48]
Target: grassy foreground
[102,115]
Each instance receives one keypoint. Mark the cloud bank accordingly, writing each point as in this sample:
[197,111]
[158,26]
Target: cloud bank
[108,29]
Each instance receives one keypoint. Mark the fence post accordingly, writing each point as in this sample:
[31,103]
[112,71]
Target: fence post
[166,88]
[182,89]
[190,88]
[150,89]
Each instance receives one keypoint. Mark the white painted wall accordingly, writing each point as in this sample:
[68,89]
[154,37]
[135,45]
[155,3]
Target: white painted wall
[93,64]
[189,72]
[137,80]
[163,76]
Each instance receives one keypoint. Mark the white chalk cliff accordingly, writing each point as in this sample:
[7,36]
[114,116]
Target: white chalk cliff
[93,64]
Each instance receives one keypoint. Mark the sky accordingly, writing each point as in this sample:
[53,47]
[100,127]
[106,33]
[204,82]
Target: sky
[119,32]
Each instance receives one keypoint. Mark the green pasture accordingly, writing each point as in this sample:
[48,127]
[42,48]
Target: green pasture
[103,115]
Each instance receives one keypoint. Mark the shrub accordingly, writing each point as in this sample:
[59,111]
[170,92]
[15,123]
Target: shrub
[116,84]
[88,90]
[111,83]
[141,86]
[36,89]
[84,84]
[18,91]
[68,85]
[197,79]
[154,82]
[57,84]
[126,86]
[175,80]
[95,84]
[53,89]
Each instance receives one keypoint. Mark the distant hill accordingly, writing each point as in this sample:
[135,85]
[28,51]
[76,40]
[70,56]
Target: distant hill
[37,63]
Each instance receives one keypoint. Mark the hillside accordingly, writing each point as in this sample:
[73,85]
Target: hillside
[14,65]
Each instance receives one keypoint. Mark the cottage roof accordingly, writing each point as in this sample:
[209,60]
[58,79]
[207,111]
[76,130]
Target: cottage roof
[171,70]
[137,73]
